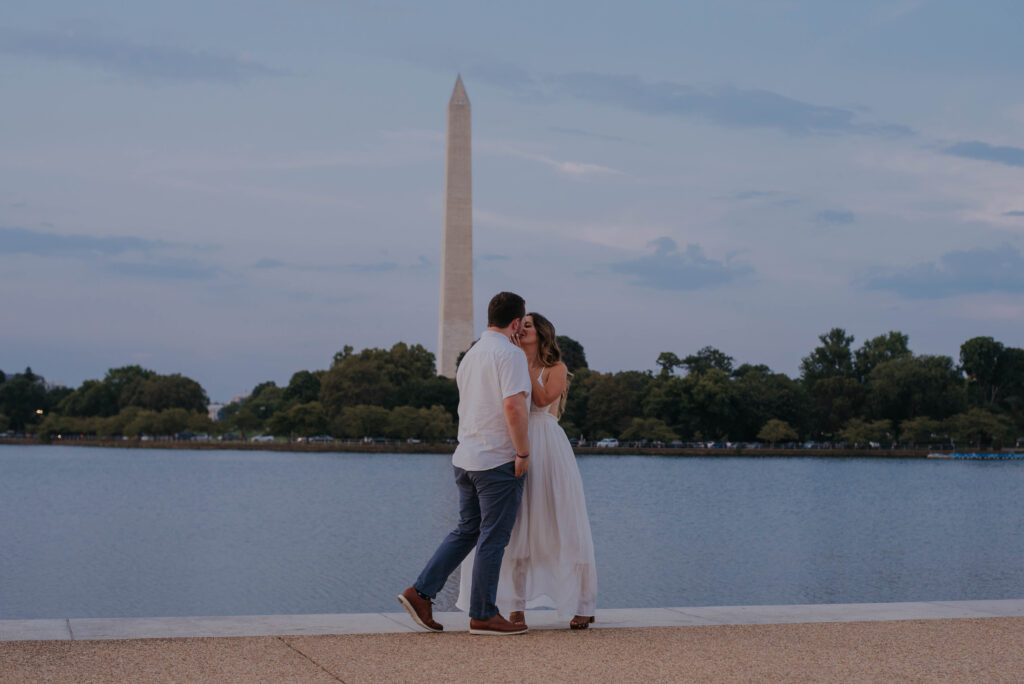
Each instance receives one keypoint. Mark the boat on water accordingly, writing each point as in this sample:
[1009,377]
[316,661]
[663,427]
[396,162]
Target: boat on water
[980,456]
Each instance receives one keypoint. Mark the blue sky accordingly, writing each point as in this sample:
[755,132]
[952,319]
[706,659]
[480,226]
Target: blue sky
[236,190]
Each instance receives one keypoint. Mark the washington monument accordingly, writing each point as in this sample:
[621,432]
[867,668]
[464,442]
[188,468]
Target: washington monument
[455,323]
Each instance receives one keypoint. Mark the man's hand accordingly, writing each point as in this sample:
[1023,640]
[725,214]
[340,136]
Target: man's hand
[522,464]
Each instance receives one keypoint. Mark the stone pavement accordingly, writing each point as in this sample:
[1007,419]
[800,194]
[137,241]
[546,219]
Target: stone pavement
[929,641]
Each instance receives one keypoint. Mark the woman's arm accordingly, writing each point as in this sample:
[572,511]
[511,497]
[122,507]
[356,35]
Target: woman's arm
[554,385]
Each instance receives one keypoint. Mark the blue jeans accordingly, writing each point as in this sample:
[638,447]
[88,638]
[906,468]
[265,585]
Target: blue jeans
[488,504]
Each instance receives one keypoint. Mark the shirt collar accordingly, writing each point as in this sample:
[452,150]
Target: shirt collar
[495,334]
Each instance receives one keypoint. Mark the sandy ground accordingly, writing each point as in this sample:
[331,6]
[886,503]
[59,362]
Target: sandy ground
[961,650]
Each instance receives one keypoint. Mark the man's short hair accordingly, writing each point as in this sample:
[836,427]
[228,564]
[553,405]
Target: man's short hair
[504,308]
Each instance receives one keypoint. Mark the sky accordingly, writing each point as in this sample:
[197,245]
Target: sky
[236,190]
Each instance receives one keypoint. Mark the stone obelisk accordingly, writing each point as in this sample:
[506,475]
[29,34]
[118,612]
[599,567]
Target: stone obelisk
[455,324]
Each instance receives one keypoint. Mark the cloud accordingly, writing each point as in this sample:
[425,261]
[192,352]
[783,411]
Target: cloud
[670,269]
[754,194]
[119,255]
[173,269]
[23,241]
[973,271]
[722,105]
[1014,213]
[569,168]
[1011,156]
[148,63]
[374,267]
[835,217]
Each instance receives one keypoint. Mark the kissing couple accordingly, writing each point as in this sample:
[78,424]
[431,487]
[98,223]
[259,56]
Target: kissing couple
[523,541]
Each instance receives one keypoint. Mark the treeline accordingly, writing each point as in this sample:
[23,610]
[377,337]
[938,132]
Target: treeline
[127,401]
[374,393]
[880,392]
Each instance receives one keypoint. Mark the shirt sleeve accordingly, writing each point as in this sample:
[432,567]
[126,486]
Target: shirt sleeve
[513,373]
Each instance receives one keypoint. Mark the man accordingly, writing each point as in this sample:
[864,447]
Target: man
[489,462]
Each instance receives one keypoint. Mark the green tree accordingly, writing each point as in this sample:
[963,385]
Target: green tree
[980,427]
[245,421]
[995,373]
[405,422]
[910,386]
[979,360]
[776,430]
[613,402]
[264,402]
[668,398]
[831,359]
[707,359]
[303,388]
[378,377]
[200,423]
[436,390]
[920,430]
[574,417]
[362,420]
[836,400]
[648,428]
[93,398]
[143,423]
[123,382]
[714,403]
[859,432]
[668,362]
[23,399]
[303,420]
[573,355]
[162,392]
[439,424]
[117,424]
[761,395]
[5,423]
[878,350]
[171,421]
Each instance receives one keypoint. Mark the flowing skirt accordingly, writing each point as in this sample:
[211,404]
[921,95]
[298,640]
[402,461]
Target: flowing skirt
[549,561]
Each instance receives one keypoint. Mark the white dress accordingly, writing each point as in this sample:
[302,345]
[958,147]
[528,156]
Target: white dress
[549,560]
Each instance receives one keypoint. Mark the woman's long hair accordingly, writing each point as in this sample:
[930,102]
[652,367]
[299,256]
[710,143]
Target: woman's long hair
[548,351]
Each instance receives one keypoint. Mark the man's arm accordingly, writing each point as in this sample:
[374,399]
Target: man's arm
[517,415]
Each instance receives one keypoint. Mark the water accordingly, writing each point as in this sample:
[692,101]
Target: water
[90,532]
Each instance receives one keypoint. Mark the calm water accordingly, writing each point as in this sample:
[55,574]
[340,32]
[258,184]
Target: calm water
[88,532]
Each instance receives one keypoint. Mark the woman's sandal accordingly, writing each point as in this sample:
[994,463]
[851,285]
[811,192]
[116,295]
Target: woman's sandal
[581,622]
[517,617]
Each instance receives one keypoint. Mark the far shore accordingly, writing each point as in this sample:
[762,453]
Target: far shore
[423,448]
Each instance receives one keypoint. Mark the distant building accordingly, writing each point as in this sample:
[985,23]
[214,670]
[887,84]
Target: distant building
[214,408]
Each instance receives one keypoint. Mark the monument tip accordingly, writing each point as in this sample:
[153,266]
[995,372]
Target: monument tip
[459,92]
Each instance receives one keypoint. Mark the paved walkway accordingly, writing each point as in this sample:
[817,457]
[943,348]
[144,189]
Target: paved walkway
[928,641]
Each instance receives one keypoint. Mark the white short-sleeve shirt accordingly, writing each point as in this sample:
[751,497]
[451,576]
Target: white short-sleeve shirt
[491,370]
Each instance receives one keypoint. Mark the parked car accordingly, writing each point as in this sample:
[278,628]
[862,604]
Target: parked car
[320,438]
[608,442]
[262,438]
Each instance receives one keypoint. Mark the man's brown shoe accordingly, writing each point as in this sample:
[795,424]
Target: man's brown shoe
[420,610]
[496,625]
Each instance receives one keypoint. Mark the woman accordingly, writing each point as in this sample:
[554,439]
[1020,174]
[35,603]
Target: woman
[549,561]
